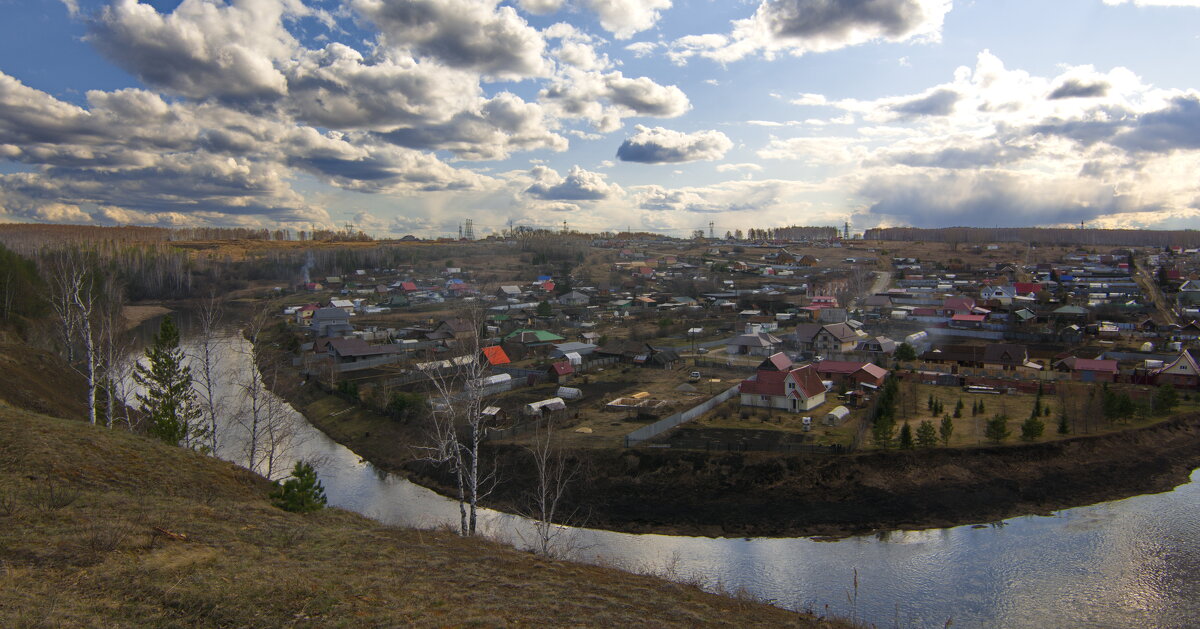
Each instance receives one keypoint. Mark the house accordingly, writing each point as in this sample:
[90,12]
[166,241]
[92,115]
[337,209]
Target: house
[330,322]
[780,385]
[1027,288]
[877,303]
[1002,294]
[877,345]
[1088,369]
[582,349]
[958,305]
[506,292]
[1182,373]
[574,298]
[348,351]
[344,304]
[832,337]
[533,338]
[640,353]
[758,344]
[560,372]
[1007,356]
[967,321]
[850,374]
[457,328]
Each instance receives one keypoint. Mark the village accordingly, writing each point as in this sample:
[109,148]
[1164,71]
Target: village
[777,345]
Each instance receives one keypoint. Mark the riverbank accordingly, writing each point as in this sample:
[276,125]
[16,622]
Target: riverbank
[765,494]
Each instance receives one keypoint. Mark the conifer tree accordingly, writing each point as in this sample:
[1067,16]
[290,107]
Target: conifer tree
[906,437]
[926,434]
[946,430]
[302,492]
[169,402]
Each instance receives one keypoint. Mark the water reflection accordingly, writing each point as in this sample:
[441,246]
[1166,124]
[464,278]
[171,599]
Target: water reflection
[1129,563]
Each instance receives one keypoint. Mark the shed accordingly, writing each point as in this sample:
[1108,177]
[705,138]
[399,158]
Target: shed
[537,409]
[569,393]
[837,416]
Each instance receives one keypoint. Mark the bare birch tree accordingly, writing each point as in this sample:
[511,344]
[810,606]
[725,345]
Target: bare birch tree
[208,376]
[555,472]
[270,433]
[74,300]
[114,347]
[457,424]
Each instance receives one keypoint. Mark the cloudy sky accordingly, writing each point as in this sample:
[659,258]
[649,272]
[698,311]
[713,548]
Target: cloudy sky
[410,116]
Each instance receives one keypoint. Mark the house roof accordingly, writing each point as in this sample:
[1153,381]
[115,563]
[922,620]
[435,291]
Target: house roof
[563,368]
[356,347]
[778,361]
[534,336]
[970,318]
[840,331]
[495,355]
[762,339]
[1005,353]
[808,382]
[1089,364]
[844,367]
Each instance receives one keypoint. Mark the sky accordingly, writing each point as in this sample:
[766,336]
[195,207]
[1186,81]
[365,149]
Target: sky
[411,116]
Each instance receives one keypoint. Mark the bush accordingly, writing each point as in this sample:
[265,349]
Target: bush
[301,493]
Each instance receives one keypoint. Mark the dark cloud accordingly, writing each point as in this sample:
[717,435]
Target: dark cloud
[1175,127]
[461,34]
[802,19]
[1075,88]
[991,199]
[663,146]
[981,156]
[939,102]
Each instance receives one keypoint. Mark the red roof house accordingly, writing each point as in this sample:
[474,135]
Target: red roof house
[777,384]
[850,373]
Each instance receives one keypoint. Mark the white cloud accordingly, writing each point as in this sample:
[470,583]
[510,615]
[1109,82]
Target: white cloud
[578,185]
[625,18]
[201,49]
[541,7]
[605,98]
[662,146]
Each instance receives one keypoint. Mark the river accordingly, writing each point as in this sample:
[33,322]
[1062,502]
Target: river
[1126,563]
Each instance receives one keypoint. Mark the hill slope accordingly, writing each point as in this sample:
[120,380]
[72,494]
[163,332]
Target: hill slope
[106,528]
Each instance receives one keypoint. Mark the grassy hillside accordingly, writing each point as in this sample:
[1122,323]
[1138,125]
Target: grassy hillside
[105,528]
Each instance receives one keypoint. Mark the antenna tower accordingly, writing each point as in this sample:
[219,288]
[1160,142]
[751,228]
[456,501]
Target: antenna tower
[710,231]
[564,228]
[846,231]
[469,231]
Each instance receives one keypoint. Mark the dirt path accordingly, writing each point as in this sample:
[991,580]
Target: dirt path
[136,315]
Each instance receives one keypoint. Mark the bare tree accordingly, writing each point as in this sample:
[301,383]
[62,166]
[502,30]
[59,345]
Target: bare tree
[555,471]
[75,302]
[457,424]
[113,349]
[270,433]
[208,378]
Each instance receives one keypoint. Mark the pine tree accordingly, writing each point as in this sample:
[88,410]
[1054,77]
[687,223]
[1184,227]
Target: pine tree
[932,403]
[926,434]
[1063,428]
[1032,428]
[906,437]
[946,430]
[169,402]
[301,493]
[997,429]
[1165,398]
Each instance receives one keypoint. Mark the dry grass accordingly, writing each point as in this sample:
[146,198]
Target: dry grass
[83,513]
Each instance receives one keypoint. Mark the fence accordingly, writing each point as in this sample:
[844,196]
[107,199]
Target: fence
[648,432]
[721,364]
[710,445]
